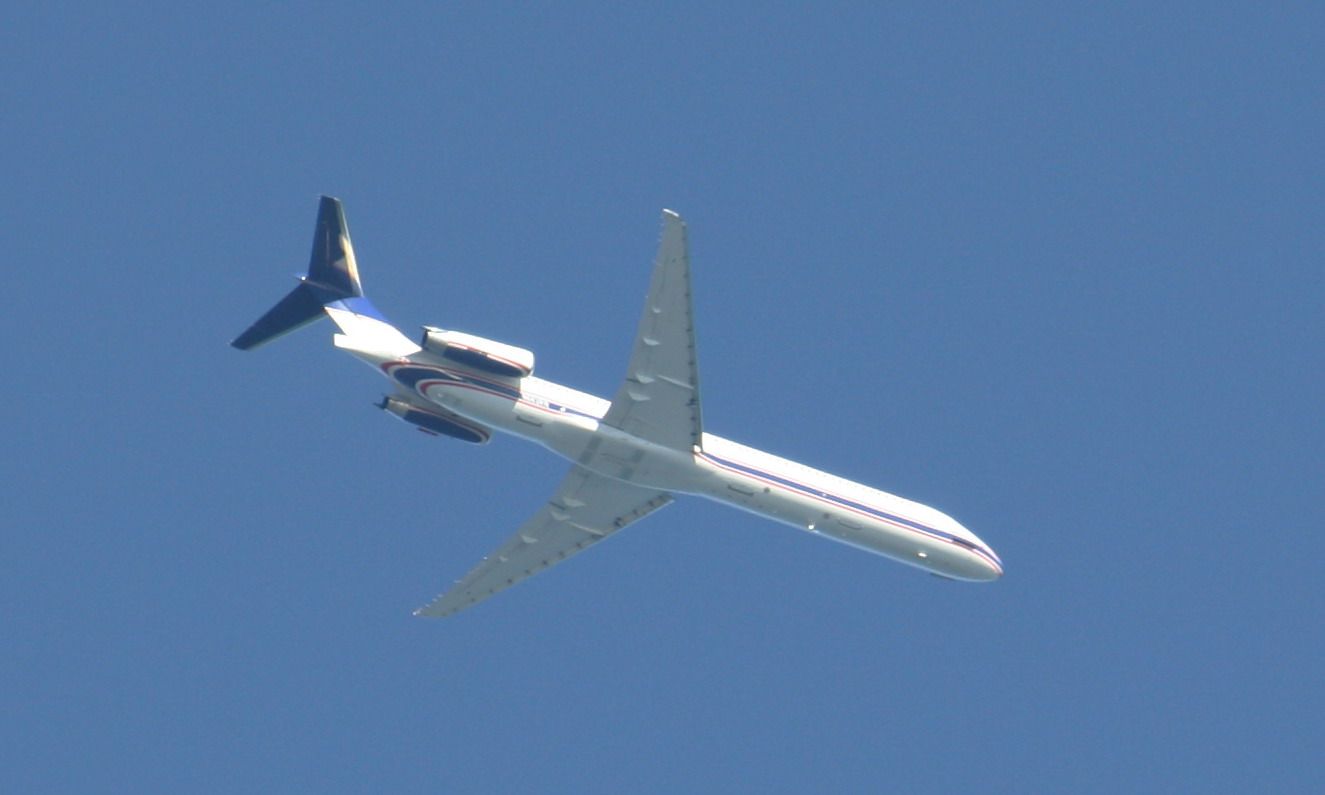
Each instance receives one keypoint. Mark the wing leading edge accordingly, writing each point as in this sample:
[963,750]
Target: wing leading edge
[585,509]
[659,400]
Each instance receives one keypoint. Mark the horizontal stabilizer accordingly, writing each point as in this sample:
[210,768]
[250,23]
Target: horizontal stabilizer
[298,308]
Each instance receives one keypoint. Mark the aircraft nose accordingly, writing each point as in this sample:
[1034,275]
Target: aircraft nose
[983,565]
[973,564]
[975,560]
[990,565]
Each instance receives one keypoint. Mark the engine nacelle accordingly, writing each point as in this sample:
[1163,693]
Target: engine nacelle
[477,353]
[436,421]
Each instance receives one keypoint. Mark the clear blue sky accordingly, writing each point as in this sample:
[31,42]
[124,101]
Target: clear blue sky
[1057,272]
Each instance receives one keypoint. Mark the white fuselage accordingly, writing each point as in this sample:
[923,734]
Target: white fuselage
[629,455]
[567,421]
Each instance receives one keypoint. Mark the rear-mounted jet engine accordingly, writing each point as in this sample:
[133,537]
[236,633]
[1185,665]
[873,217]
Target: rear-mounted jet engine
[477,353]
[436,421]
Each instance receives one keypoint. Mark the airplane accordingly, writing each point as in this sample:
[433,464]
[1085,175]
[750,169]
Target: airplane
[629,455]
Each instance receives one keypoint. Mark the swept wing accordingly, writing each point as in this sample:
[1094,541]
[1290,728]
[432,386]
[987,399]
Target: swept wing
[586,509]
[659,400]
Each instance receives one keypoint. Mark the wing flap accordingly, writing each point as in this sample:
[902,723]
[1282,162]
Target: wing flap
[586,509]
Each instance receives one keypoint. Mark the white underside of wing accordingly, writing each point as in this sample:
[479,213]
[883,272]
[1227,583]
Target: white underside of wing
[659,400]
[586,509]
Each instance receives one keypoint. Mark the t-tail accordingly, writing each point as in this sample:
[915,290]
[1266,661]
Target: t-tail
[332,276]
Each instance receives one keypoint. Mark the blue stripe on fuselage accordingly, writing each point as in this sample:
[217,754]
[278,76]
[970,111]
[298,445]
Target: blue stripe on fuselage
[860,507]
[410,375]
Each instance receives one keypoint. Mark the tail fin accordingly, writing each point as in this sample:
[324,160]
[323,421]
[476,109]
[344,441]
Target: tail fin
[332,276]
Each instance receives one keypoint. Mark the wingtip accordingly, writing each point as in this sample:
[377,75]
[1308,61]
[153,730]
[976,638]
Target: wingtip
[434,610]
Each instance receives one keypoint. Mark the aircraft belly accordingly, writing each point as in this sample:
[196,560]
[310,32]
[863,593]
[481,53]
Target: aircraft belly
[612,453]
[477,406]
[615,455]
[583,440]
[562,432]
[815,513]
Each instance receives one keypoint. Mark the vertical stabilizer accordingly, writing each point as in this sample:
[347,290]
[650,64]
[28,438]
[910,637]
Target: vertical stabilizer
[331,265]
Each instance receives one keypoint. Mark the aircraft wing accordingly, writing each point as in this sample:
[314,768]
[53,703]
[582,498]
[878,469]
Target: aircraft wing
[659,400]
[586,509]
